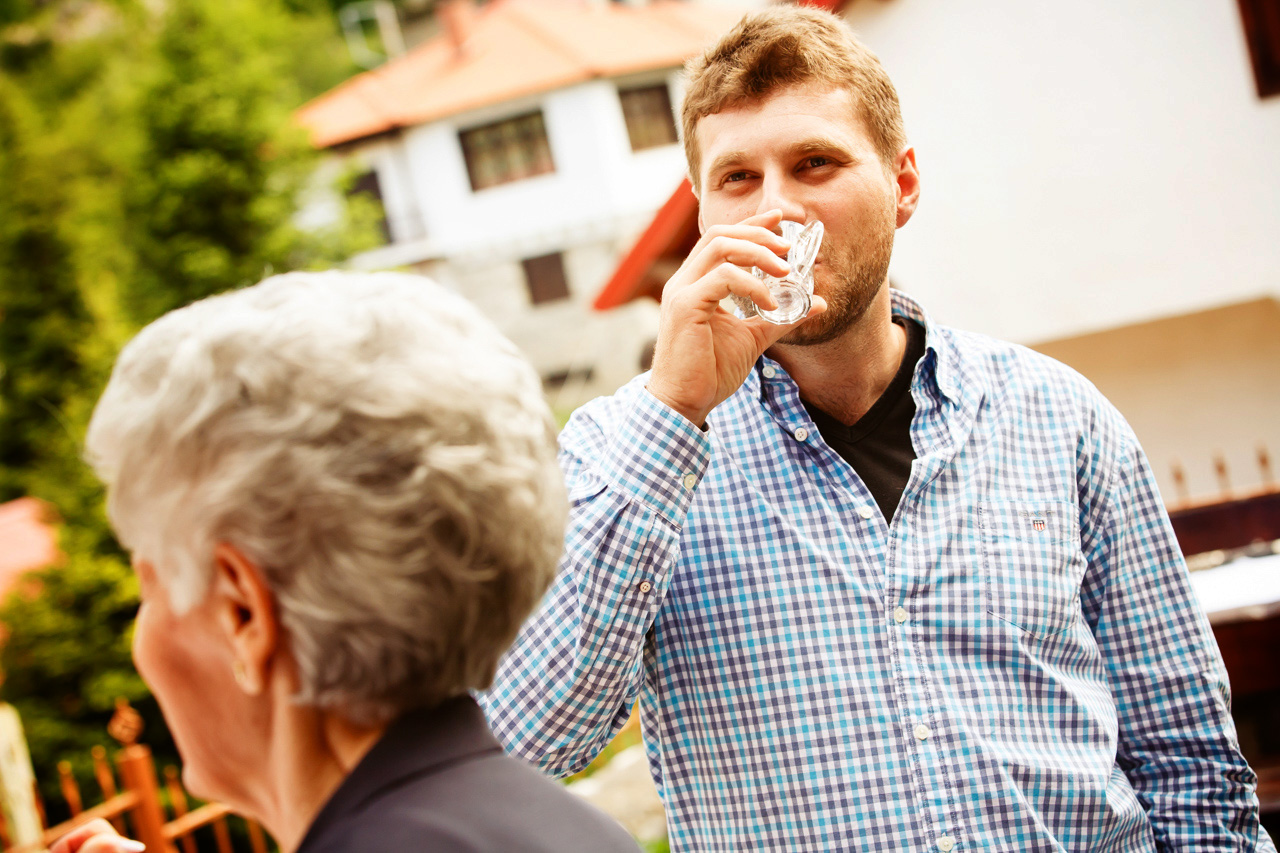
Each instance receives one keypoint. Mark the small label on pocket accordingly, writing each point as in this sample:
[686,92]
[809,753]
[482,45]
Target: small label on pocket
[1032,564]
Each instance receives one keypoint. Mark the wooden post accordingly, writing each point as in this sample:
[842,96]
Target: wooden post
[1224,478]
[1180,483]
[70,790]
[138,773]
[222,835]
[256,841]
[178,799]
[106,781]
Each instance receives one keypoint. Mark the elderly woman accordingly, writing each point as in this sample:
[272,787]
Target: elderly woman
[341,497]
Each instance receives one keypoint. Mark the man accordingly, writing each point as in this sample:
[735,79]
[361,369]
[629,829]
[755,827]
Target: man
[878,584]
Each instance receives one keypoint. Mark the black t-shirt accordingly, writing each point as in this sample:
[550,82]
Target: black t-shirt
[879,446]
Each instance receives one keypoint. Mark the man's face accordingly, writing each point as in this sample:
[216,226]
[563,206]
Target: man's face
[804,151]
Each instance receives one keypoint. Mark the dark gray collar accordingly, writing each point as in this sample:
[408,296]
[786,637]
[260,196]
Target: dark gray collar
[418,743]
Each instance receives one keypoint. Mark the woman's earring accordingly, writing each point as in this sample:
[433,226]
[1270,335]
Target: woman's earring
[241,674]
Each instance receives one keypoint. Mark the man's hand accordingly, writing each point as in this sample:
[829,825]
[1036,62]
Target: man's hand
[96,836]
[704,353]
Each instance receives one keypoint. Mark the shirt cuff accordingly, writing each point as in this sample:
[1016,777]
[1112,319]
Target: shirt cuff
[658,456]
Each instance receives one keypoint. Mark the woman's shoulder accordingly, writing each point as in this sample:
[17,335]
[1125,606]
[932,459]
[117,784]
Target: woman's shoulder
[487,802]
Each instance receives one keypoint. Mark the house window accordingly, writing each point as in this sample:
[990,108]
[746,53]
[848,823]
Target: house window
[1262,32]
[367,185]
[544,276]
[507,151]
[650,122]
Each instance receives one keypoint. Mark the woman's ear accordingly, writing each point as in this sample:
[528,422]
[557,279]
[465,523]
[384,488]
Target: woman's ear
[245,609]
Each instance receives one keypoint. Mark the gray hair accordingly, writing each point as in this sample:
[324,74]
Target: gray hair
[374,444]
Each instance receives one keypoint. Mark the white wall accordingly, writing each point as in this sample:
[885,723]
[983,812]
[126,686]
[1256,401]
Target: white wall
[599,197]
[385,156]
[597,184]
[1193,387]
[1084,164]
[564,335]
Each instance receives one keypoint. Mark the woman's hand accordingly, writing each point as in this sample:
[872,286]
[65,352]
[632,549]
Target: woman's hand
[96,836]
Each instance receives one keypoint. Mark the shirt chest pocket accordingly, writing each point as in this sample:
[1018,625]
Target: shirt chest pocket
[1032,565]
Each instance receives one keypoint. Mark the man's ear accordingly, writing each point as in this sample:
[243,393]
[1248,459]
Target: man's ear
[246,613]
[907,179]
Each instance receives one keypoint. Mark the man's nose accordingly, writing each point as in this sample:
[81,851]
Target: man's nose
[777,195]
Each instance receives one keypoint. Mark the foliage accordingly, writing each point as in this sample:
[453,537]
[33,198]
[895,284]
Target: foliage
[66,660]
[215,210]
[147,158]
[43,317]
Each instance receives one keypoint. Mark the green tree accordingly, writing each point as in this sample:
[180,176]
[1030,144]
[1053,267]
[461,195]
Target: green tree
[66,659]
[145,161]
[44,321]
[214,210]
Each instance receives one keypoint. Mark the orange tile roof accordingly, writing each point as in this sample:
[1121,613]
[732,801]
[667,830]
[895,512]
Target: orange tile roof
[515,48]
[28,539]
[671,234]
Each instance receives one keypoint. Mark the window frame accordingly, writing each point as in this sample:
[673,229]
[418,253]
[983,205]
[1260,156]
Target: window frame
[545,279]
[508,150]
[639,116]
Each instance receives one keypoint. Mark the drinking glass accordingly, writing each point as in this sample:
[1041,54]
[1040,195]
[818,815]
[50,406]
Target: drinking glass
[793,291]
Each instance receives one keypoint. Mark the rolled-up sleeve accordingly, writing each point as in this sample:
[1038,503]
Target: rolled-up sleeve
[1177,741]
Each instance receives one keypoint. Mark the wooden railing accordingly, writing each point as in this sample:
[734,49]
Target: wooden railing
[136,808]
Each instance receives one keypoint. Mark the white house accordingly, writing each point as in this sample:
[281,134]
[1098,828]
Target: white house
[516,154]
[1101,181]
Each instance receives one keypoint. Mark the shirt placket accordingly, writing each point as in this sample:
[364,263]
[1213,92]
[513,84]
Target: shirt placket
[920,714]
[910,614]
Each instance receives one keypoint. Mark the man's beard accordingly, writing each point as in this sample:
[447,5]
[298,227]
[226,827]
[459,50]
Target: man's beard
[855,282]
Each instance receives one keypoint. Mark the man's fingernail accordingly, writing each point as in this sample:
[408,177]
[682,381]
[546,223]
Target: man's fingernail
[128,845]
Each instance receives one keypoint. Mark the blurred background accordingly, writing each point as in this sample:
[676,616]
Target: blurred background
[1101,182]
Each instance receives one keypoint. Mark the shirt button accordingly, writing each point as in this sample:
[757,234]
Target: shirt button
[900,614]
[645,586]
[769,372]
[922,732]
[866,512]
[802,434]
[690,480]
[945,843]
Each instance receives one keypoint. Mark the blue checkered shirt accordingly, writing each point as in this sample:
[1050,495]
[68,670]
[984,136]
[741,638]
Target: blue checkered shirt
[1015,663]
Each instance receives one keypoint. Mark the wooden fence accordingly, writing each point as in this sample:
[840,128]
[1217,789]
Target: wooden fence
[136,807]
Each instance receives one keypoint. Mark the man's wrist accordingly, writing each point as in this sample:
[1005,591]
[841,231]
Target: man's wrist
[694,416]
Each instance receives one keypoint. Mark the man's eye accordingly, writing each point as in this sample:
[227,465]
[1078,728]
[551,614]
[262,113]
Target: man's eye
[734,177]
[816,161]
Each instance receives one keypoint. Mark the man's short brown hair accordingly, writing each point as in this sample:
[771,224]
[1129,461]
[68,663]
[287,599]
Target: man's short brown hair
[785,46]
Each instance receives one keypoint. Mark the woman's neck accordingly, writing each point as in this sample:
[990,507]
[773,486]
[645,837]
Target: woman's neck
[310,752]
